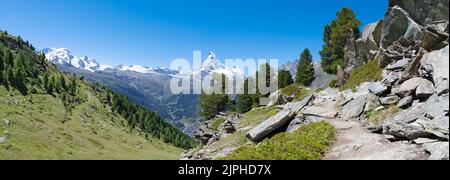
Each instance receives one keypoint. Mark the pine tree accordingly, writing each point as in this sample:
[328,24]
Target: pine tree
[244,102]
[73,86]
[284,79]
[62,81]
[334,38]
[2,65]
[51,85]
[46,81]
[305,69]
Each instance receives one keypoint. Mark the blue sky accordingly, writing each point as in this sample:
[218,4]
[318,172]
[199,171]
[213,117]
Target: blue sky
[154,32]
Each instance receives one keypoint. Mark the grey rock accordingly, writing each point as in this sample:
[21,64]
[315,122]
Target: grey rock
[438,150]
[295,124]
[389,100]
[406,101]
[3,139]
[409,86]
[442,87]
[270,125]
[344,102]
[429,119]
[320,112]
[424,12]
[389,78]
[372,103]
[397,24]
[435,65]
[7,122]
[399,65]
[409,131]
[276,99]
[367,46]
[378,88]
[347,95]
[425,89]
[434,39]
[296,107]
[372,32]
[354,108]
[422,141]
[436,106]
[350,53]
[300,121]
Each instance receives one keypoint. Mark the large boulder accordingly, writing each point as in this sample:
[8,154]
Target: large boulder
[429,119]
[320,111]
[406,101]
[409,87]
[399,65]
[390,78]
[425,89]
[372,103]
[277,98]
[296,107]
[350,53]
[424,12]
[389,100]
[438,150]
[367,47]
[434,39]
[270,125]
[398,24]
[406,124]
[378,88]
[435,65]
[282,119]
[359,51]
[354,108]
[372,33]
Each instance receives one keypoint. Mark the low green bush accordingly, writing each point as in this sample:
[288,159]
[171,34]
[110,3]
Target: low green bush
[369,72]
[309,142]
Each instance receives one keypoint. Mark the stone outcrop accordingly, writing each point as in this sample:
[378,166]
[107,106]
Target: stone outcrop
[358,51]
[435,65]
[354,108]
[270,125]
[397,24]
[424,12]
[283,118]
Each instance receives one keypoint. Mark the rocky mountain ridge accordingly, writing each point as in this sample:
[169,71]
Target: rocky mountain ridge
[404,116]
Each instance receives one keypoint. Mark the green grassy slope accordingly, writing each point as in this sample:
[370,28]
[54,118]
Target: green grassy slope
[46,114]
[40,127]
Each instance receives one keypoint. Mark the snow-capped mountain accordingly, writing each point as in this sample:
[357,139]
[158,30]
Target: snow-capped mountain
[64,57]
[213,65]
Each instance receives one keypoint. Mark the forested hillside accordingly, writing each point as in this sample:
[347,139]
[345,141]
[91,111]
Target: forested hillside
[33,90]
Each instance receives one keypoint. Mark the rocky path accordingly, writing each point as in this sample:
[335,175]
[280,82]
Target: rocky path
[354,142]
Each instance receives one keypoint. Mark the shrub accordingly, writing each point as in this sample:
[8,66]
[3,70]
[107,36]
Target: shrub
[215,125]
[377,117]
[310,142]
[333,83]
[298,91]
[365,73]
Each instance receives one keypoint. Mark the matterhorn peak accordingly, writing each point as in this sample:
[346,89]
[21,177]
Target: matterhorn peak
[211,63]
